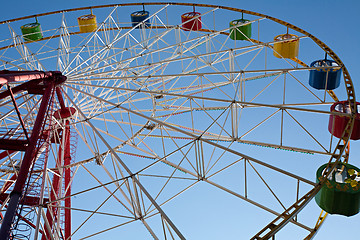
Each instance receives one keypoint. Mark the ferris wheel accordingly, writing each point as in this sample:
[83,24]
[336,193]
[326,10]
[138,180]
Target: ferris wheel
[171,121]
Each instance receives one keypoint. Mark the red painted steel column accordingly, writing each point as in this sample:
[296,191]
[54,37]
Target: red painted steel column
[65,113]
[29,157]
[64,159]
[60,98]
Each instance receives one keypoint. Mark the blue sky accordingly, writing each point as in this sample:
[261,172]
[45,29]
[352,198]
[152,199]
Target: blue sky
[333,22]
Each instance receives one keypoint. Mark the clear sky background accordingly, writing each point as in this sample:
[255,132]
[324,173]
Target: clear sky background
[336,23]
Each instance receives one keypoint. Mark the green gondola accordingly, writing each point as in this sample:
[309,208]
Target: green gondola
[340,193]
[31,31]
[241,32]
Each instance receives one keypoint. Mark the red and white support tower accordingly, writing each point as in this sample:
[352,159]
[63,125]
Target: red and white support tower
[14,194]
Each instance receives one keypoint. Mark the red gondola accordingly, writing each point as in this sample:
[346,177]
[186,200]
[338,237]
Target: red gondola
[338,123]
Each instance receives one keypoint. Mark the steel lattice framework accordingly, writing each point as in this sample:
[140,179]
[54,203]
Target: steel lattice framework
[134,125]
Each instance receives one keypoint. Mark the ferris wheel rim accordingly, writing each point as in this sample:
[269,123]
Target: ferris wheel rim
[349,85]
[347,78]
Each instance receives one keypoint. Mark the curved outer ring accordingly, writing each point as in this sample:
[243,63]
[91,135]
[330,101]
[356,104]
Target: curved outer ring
[341,145]
[348,82]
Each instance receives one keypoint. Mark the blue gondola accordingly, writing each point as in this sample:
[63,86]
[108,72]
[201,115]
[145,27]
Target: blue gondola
[325,78]
[140,17]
